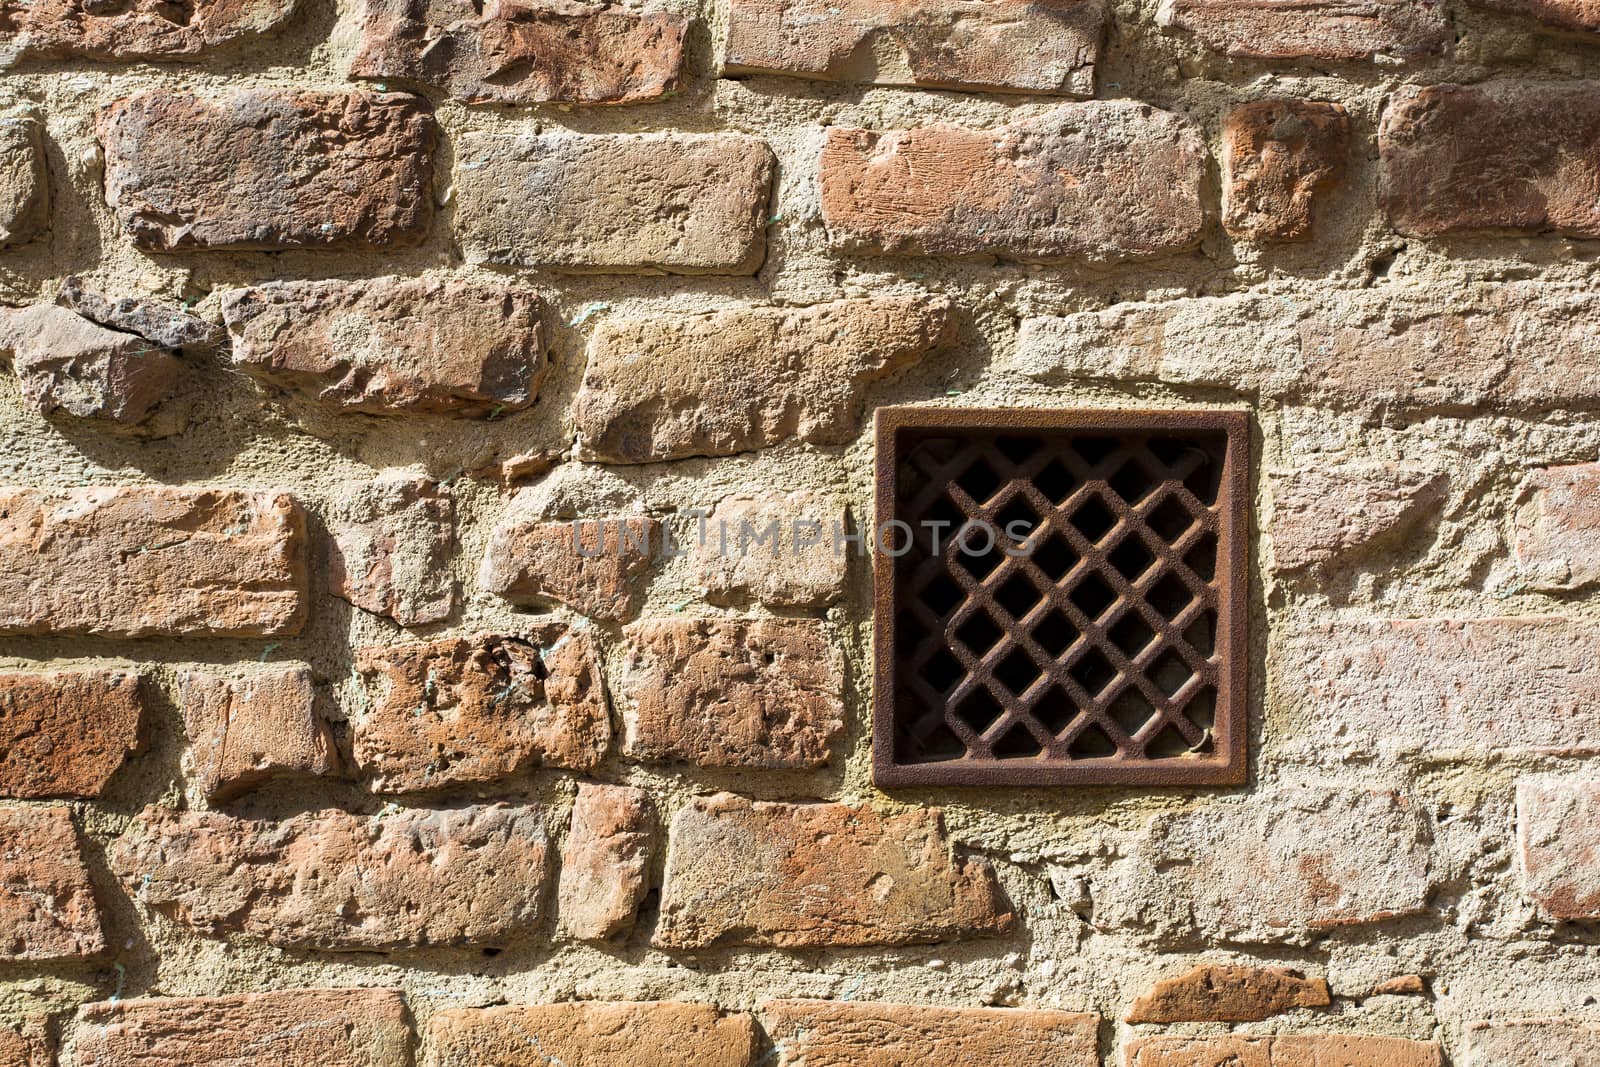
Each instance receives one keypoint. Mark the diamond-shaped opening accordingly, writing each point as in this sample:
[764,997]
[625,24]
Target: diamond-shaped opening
[1055,710]
[1093,671]
[908,633]
[1017,743]
[1055,481]
[1169,596]
[979,480]
[1169,519]
[943,671]
[1018,596]
[1202,557]
[1131,709]
[925,740]
[1169,743]
[1092,743]
[979,634]
[1016,514]
[979,711]
[941,595]
[1202,634]
[1202,708]
[1131,482]
[940,449]
[1168,451]
[944,511]
[1093,596]
[979,566]
[1169,672]
[1016,449]
[1131,557]
[1017,672]
[1131,634]
[1055,558]
[1054,633]
[1093,519]
[1094,450]
[1205,481]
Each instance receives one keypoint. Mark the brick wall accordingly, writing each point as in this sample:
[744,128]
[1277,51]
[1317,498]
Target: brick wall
[323,742]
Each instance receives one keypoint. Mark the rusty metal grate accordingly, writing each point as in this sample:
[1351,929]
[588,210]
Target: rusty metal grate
[1107,647]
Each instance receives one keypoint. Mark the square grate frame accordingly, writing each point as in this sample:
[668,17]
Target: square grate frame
[901,725]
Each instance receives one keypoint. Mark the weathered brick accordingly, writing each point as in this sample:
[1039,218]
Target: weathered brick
[1533,1043]
[392,538]
[1279,160]
[247,730]
[291,1028]
[1279,866]
[1404,985]
[161,324]
[735,381]
[1031,46]
[1310,1050]
[65,734]
[469,876]
[128,562]
[591,565]
[1558,528]
[740,558]
[147,30]
[24,182]
[824,1033]
[47,906]
[393,346]
[507,54]
[731,692]
[605,862]
[67,364]
[1567,14]
[1516,157]
[1098,181]
[1558,828]
[733,866]
[591,1034]
[269,169]
[1229,994]
[465,710]
[615,202]
[1324,29]
[30,1045]
[1324,517]
[1447,685]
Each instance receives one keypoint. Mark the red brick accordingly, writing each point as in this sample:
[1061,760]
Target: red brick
[24,182]
[523,55]
[68,365]
[330,880]
[1318,1050]
[60,29]
[823,1033]
[485,708]
[615,203]
[1567,14]
[1558,829]
[1533,1043]
[135,561]
[1280,158]
[605,864]
[292,1028]
[65,734]
[731,692]
[736,870]
[1011,45]
[1558,528]
[1229,994]
[30,1045]
[592,1034]
[1098,181]
[1324,29]
[1329,516]
[346,171]
[47,906]
[799,567]
[740,380]
[1278,866]
[392,539]
[1448,685]
[591,565]
[1509,157]
[248,730]
[393,346]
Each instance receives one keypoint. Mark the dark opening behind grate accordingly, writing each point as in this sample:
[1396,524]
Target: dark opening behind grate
[1109,645]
